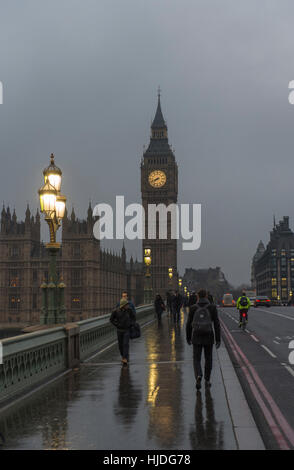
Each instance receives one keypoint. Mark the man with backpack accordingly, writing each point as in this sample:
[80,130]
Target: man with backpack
[243,305]
[202,330]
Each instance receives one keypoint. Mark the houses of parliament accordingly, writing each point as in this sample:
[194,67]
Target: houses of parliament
[94,277]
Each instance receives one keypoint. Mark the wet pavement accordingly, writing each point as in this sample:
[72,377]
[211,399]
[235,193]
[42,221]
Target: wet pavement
[151,404]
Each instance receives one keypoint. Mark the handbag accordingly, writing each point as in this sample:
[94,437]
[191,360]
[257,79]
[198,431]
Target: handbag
[135,331]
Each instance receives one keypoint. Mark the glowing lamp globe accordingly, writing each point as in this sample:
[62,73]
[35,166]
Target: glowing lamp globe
[53,174]
[60,206]
[47,194]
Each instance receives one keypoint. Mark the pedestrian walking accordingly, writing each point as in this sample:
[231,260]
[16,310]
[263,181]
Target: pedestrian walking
[122,318]
[202,330]
[124,295]
[169,301]
[210,297]
[177,302]
[193,299]
[159,307]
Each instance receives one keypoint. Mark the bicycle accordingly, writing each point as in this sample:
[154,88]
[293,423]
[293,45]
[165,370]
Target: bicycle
[244,321]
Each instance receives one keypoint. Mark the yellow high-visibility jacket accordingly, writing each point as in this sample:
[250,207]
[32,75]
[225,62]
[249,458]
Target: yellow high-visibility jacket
[241,307]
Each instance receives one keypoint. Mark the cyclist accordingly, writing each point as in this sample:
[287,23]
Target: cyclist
[243,305]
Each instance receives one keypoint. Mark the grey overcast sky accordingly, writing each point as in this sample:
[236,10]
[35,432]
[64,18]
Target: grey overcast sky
[80,79]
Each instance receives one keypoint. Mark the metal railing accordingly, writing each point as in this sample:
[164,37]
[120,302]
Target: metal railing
[32,359]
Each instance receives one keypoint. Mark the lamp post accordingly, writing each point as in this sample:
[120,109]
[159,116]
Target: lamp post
[52,204]
[180,283]
[170,275]
[147,283]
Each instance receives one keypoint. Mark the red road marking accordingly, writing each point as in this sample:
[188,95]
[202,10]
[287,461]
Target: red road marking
[284,425]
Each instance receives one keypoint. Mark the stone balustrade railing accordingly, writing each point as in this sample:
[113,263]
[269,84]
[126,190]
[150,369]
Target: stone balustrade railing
[32,359]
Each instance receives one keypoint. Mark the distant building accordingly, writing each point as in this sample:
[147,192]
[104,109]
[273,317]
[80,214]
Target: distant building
[94,277]
[259,252]
[212,279]
[274,269]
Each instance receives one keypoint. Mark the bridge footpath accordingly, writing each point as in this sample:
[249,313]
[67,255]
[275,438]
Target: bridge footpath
[151,404]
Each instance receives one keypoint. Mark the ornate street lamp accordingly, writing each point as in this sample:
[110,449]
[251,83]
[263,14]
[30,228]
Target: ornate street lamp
[147,283]
[52,204]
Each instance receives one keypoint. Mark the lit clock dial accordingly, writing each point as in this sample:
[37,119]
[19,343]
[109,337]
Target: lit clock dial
[157,178]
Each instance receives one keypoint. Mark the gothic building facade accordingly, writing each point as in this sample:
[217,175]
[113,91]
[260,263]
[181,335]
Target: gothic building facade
[259,252]
[274,268]
[159,185]
[94,277]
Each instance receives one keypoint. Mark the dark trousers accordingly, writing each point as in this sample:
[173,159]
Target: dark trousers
[176,313]
[241,314]
[159,317]
[197,352]
[123,343]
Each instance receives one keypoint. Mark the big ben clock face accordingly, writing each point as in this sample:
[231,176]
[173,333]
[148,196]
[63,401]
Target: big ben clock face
[157,178]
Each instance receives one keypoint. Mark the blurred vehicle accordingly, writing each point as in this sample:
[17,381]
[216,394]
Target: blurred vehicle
[252,300]
[228,301]
[262,301]
[250,293]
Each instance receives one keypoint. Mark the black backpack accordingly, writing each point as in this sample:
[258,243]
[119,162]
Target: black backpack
[202,324]
[243,301]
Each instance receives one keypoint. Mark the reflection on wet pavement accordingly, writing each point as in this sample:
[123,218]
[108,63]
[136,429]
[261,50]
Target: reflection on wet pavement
[152,404]
[206,433]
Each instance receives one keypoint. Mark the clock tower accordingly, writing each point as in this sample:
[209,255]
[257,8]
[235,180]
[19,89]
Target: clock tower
[159,185]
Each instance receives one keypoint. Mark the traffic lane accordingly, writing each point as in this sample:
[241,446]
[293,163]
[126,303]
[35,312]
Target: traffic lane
[273,381]
[272,327]
[276,326]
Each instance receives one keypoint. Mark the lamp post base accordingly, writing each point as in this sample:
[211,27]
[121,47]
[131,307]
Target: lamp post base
[53,309]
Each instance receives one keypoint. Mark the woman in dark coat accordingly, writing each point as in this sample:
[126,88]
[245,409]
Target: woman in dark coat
[159,307]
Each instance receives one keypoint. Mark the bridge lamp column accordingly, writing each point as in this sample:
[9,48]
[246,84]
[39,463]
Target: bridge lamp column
[52,205]
[170,275]
[180,284]
[147,284]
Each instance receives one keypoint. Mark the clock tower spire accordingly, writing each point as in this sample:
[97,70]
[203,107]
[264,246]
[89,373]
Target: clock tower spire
[158,126]
[159,185]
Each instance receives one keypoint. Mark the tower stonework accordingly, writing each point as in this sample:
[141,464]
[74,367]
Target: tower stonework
[159,185]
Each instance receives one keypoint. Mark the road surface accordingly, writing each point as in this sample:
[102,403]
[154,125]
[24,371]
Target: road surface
[265,366]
